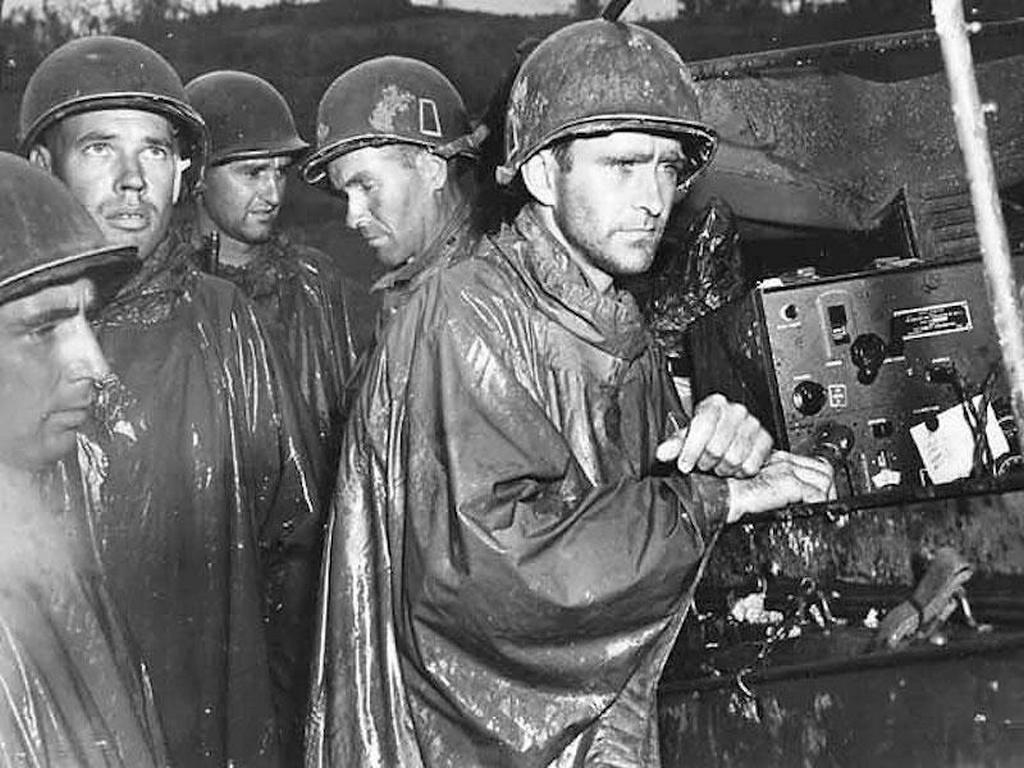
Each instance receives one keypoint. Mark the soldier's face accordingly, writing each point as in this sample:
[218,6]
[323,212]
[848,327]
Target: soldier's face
[613,197]
[123,166]
[243,198]
[389,200]
[49,361]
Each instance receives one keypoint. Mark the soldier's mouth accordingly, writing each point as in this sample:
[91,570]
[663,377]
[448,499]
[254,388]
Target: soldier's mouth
[129,220]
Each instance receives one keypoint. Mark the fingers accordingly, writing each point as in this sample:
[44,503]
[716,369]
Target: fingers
[702,428]
[724,438]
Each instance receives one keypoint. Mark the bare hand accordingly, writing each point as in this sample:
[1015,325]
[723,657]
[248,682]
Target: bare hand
[723,438]
[785,479]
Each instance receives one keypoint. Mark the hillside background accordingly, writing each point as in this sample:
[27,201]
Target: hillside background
[302,48]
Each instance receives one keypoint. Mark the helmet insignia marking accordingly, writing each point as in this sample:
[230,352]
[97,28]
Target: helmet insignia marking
[393,100]
[430,123]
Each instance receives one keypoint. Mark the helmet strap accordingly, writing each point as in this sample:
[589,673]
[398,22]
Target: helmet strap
[467,144]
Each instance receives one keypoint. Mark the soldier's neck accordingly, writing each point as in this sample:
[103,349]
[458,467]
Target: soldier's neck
[235,253]
[230,251]
[598,278]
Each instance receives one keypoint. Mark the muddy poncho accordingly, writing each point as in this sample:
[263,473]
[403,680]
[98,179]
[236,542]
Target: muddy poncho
[205,510]
[74,694]
[507,568]
[304,303]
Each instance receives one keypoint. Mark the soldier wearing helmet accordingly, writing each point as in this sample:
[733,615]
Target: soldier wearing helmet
[73,691]
[394,139]
[300,294]
[201,490]
[518,463]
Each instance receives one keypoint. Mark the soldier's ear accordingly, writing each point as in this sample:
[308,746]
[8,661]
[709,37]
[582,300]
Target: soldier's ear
[40,157]
[540,175]
[182,164]
[434,170]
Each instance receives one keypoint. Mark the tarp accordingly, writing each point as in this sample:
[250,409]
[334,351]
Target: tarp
[826,149]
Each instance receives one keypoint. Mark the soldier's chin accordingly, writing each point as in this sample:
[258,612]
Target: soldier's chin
[259,235]
[635,261]
[145,240]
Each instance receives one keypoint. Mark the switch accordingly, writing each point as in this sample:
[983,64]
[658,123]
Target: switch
[837,324]
[881,429]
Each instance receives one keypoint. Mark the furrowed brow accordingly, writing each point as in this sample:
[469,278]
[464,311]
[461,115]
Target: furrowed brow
[49,316]
[93,136]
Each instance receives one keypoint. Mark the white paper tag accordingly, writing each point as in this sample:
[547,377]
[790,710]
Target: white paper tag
[948,452]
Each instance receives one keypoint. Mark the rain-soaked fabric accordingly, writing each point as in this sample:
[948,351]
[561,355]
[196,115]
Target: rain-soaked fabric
[73,693]
[304,303]
[205,508]
[698,269]
[507,570]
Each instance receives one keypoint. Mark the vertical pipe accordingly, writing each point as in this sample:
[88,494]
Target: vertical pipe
[972,133]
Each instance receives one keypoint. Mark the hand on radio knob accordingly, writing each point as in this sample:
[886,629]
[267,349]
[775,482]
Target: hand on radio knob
[784,479]
[722,438]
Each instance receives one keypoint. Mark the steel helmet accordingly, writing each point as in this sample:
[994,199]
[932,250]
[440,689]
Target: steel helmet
[389,100]
[47,236]
[598,76]
[105,72]
[246,116]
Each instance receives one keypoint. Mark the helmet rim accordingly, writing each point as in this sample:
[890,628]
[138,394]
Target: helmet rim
[174,110]
[314,167]
[117,262]
[598,125]
[292,149]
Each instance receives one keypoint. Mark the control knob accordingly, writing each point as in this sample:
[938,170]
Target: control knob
[809,397]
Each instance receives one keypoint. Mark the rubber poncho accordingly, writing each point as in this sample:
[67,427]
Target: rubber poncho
[74,694]
[507,571]
[304,302]
[206,511]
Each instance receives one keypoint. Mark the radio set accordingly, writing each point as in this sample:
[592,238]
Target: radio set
[893,374]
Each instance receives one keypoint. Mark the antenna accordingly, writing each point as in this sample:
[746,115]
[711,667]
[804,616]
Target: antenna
[614,9]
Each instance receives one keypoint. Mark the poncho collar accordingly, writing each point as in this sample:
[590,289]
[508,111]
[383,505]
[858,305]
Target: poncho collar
[261,276]
[442,249]
[610,320]
[150,296]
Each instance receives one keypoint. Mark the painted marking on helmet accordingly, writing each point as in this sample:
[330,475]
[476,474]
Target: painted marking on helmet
[430,123]
[393,100]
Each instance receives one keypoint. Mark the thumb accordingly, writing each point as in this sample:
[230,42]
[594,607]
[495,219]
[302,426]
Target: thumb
[668,450]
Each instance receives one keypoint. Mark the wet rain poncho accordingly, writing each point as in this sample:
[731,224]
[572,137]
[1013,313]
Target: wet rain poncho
[507,567]
[204,507]
[303,302]
[73,693]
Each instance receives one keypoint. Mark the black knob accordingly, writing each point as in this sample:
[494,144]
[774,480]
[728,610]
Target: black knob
[867,353]
[808,397]
[833,442]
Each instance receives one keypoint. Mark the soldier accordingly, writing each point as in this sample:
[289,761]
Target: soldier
[73,692]
[302,298]
[523,510]
[394,139]
[202,499]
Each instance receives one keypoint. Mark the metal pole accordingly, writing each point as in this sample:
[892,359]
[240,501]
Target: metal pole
[969,117]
